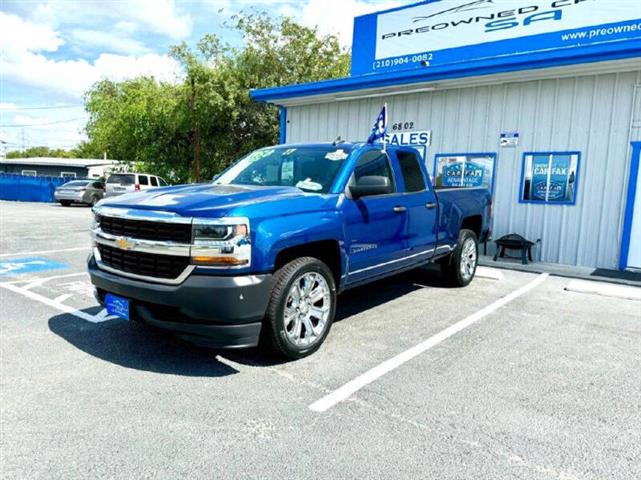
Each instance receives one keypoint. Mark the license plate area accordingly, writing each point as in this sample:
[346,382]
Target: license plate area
[118,306]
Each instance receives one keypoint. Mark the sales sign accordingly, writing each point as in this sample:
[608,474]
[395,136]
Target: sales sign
[442,32]
[420,139]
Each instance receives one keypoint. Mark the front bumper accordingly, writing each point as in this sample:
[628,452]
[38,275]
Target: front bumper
[212,311]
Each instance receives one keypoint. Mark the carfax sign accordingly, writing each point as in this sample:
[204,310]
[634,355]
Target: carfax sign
[440,32]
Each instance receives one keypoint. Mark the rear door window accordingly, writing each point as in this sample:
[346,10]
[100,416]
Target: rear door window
[121,179]
[143,180]
[411,171]
[154,181]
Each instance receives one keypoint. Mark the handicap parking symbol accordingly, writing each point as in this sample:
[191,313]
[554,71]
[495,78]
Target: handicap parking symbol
[18,266]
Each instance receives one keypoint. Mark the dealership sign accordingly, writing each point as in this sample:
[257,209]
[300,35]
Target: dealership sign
[419,139]
[550,177]
[442,32]
[463,174]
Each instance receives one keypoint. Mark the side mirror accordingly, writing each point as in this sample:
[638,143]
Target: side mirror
[370,185]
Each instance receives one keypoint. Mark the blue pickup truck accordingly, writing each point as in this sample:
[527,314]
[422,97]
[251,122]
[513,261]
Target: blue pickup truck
[261,253]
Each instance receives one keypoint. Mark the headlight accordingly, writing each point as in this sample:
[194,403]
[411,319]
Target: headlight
[95,221]
[222,242]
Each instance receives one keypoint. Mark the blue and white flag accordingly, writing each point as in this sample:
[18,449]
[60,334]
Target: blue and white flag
[380,126]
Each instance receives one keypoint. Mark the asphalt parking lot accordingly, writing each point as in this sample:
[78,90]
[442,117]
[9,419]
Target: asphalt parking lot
[538,384]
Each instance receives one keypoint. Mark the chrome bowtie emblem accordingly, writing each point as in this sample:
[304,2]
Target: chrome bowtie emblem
[124,243]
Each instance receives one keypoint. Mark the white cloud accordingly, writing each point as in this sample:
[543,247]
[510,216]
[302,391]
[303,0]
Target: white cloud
[337,16]
[18,34]
[156,16]
[108,42]
[24,62]
[6,106]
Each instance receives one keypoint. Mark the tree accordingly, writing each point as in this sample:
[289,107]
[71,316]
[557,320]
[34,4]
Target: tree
[197,126]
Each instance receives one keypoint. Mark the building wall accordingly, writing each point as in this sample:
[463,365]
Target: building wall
[43,170]
[591,114]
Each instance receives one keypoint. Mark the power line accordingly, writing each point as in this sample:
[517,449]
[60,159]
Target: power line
[43,124]
[41,107]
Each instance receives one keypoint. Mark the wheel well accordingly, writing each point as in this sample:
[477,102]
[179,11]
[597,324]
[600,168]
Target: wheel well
[474,223]
[327,251]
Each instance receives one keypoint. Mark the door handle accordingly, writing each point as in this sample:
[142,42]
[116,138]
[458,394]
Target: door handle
[430,205]
[399,209]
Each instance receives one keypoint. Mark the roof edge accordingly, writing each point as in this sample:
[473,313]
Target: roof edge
[530,61]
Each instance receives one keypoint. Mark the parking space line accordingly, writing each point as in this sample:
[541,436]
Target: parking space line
[387,366]
[41,252]
[100,317]
[40,281]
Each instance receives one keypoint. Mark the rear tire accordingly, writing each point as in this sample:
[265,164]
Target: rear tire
[460,267]
[301,308]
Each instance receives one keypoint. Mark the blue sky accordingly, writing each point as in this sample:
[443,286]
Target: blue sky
[54,50]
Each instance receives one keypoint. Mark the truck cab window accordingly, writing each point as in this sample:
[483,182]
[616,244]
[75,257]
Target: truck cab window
[373,163]
[411,171]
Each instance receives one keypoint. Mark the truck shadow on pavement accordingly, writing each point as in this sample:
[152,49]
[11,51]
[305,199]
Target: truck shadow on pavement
[137,346]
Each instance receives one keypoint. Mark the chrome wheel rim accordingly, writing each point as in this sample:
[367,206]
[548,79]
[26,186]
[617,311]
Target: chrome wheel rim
[468,259]
[307,309]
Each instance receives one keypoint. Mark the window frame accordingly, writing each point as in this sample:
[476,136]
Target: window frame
[549,153]
[390,165]
[64,174]
[30,173]
[492,155]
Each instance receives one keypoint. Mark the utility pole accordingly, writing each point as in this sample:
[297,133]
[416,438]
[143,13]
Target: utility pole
[196,131]
[24,148]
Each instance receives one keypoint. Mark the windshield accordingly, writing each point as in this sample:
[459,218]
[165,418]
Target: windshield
[78,183]
[311,169]
[122,178]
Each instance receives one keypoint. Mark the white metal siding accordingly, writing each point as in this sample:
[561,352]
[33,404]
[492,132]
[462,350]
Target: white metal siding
[591,114]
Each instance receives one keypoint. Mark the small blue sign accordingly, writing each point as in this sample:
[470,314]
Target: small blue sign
[117,306]
[18,266]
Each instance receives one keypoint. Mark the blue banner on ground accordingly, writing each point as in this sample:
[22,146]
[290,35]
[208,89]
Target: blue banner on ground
[18,266]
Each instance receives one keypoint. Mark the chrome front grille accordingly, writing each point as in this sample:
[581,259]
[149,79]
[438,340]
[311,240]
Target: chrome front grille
[146,245]
[146,230]
[143,264]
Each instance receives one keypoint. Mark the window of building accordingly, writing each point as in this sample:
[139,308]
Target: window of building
[68,174]
[374,163]
[464,170]
[29,173]
[411,171]
[550,177]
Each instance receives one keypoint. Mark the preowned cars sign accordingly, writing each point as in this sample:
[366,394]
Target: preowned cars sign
[449,31]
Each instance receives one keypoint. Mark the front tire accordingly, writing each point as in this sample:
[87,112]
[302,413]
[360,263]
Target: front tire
[301,308]
[460,267]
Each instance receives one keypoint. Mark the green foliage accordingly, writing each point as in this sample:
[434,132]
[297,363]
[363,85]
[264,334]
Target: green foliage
[81,151]
[208,114]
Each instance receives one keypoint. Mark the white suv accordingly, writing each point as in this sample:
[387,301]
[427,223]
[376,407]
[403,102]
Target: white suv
[119,183]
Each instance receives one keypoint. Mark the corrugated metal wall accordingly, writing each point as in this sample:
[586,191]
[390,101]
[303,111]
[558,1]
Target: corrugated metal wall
[591,114]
